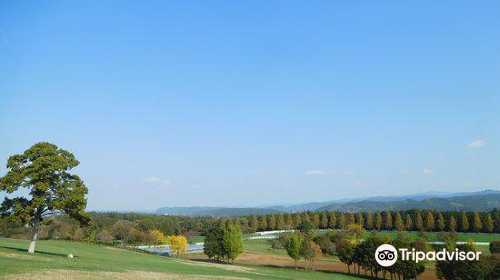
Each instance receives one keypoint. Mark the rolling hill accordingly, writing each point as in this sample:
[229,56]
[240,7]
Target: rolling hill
[460,203]
[466,201]
[215,211]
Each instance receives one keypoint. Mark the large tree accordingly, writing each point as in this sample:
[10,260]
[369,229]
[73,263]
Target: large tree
[43,169]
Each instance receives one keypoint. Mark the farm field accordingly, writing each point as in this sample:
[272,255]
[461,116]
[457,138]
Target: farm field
[101,262]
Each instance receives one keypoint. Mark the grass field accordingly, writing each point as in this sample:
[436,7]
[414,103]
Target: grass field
[99,262]
[263,246]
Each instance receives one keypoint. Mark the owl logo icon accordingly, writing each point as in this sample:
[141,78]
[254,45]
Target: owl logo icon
[386,255]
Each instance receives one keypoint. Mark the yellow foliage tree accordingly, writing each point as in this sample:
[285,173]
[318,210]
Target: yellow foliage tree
[158,237]
[178,244]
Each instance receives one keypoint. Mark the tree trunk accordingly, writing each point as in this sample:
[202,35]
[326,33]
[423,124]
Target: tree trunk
[36,225]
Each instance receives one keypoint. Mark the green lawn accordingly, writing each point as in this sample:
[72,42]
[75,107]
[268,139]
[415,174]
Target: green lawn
[261,246]
[90,258]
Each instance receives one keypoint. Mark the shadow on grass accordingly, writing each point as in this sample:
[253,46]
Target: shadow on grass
[293,268]
[36,252]
[302,269]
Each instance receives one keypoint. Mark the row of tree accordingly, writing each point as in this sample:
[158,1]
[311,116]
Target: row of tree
[134,228]
[358,255]
[411,220]
[127,228]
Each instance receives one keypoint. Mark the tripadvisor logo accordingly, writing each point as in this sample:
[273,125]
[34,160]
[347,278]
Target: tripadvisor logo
[386,255]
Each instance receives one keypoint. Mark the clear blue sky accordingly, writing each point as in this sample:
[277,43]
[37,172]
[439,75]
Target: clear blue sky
[170,103]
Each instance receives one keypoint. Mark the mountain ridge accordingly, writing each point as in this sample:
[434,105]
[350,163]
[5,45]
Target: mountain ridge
[463,201]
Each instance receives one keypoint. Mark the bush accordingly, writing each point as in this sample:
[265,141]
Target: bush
[275,243]
[104,236]
[495,247]
[337,237]
[327,246]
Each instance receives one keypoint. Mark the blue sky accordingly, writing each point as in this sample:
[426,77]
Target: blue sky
[238,103]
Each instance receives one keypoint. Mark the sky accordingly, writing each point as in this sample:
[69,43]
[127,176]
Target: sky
[251,103]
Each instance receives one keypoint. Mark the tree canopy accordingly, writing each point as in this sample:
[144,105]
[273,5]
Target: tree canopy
[43,169]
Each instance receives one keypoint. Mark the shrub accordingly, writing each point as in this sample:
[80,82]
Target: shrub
[327,246]
[495,247]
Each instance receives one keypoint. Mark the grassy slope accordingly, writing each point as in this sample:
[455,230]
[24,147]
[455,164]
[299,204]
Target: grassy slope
[88,257]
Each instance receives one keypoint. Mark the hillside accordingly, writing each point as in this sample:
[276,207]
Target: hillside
[460,203]
[50,262]
[215,211]
[465,201]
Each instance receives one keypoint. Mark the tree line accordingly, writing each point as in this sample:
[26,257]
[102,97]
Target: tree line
[134,228]
[112,228]
[409,220]
[358,254]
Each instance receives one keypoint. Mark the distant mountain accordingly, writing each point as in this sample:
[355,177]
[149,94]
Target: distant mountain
[427,195]
[311,206]
[215,211]
[464,201]
[482,202]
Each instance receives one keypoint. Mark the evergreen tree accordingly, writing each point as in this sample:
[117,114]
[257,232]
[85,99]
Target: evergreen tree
[342,222]
[441,224]
[272,222]
[332,223]
[280,224]
[297,220]
[369,221]
[378,221]
[305,217]
[489,225]
[419,223]
[324,221]
[350,219]
[289,221]
[464,222]
[263,223]
[360,219]
[430,224]
[388,220]
[398,223]
[453,224]
[244,224]
[316,220]
[409,222]
[236,221]
[477,225]
[254,223]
